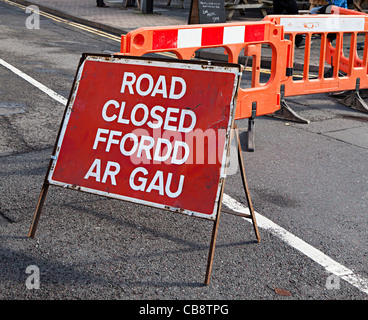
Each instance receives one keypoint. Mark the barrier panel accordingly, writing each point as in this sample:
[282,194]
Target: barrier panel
[345,64]
[184,41]
[333,31]
[325,25]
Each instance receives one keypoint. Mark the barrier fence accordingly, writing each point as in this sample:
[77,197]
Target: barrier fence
[184,41]
[337,34]
[336,72]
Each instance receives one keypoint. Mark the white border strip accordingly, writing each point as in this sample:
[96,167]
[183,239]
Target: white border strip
[34,82]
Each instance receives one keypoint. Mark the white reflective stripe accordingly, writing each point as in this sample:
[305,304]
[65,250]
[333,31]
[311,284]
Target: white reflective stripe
[189,38]
[234,34]
[325,24]
[34,82]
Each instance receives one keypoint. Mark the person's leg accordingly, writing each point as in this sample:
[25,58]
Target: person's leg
[278,7]
[101,3]
[291,7]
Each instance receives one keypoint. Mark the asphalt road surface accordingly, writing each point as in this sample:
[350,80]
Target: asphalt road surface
[309,187]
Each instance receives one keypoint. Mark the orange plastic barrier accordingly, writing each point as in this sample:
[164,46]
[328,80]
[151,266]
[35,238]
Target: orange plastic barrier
[279,33]
[185,40]
[346,63]
[340,24]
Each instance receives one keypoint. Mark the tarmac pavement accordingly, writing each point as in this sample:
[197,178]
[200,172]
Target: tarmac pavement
[309,179]
[120,20]
[116,18]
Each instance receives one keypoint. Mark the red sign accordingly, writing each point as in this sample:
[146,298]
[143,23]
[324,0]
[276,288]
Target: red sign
[148,131]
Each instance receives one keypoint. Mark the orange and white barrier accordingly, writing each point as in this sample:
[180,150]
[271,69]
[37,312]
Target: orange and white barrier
[350,24]
[279,33]
[184,41]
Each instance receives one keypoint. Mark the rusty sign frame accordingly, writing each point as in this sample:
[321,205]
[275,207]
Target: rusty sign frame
[196,65]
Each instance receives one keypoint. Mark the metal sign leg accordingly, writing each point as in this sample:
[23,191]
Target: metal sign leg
[214,237]
[245,185]
[217,220]
[37,214]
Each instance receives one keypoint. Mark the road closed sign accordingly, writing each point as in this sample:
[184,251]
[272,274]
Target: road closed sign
[148,131]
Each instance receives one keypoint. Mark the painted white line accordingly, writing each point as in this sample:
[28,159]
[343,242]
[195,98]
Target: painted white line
[326,262]
[316,255]
[34,82]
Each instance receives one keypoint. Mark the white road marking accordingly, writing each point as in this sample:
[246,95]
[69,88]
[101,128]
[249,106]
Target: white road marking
[34,82]
[316,255]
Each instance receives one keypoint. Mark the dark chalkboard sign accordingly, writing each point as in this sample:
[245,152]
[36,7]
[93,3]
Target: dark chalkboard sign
[207,11]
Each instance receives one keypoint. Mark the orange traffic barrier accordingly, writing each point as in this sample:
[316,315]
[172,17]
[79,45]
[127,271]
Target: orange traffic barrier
[185,40]
[324,26]
[346,63]
[333,31]
[279,33]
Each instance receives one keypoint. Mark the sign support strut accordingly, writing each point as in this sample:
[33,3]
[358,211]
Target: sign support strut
[245,185]
[217,220]
[37,214]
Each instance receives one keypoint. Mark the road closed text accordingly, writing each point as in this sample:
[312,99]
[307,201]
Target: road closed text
[147,131]
[140,146]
